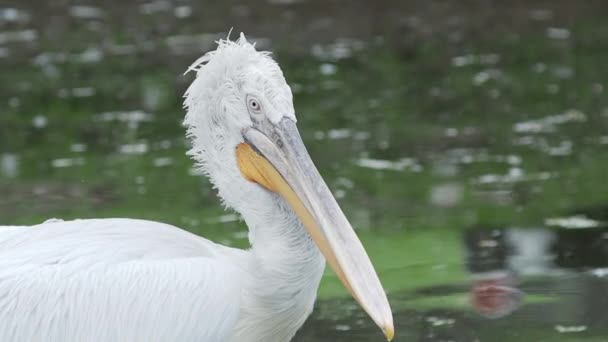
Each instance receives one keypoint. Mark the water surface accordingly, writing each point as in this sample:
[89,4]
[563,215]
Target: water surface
[466,142]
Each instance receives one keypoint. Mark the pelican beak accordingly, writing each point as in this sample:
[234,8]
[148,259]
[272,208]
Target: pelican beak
[274,156]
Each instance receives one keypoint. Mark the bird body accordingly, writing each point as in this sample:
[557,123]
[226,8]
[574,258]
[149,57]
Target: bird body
[133,280]
[137,280]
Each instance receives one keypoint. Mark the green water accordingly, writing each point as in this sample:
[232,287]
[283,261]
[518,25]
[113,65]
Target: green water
[452,121]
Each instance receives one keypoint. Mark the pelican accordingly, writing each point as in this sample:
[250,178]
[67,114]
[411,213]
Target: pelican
[133,280]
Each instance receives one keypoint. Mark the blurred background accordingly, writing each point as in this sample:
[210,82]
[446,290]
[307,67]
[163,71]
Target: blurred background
[467,141]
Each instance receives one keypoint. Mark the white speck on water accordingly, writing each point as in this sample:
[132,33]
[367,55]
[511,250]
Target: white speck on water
[339,193]
[600,272]
[137,148]
[597,88]
[66,162]
[225,219]
[516,172]
[162,161]
[12,15]
[563,72]
[182,11]
[241,235]
[152,96]
[78,148]
[40,121]
[86,12]
[489,58]
[191,221]
[570,329]
[494,93]
[362,135]
[155,7]
[335,134]
[341,133]
[484,58]
[460,61]
[343,327]
[14,102]
[132,118]
[488,243]
[481,78]
[558,33]
[531,250]
[572,222]
[165,144]
[121,49]
[83,92]
[446,195]
[49,58]
[552,88]
[467,159]
[445,167]
[399,165]
[341,49]
[344,182]
[525,140]
[486,75]
[90,55]
[196,172]
[76,92]
[513,159]
[451,132]
[539,67]
[437,321]
[9,164]
[564,149]
[18,36]
[548,124]
[468,156]
[515,175]
[136,115]
[327,69]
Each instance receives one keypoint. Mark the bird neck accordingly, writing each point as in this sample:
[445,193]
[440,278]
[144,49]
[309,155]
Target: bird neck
[285,269]
[280,242]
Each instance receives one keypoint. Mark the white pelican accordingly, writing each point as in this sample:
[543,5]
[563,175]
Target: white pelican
[134,280]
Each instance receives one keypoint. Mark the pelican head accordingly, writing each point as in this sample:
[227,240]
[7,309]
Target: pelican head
[242,123]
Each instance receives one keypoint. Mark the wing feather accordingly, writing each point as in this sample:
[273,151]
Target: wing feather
[115,280]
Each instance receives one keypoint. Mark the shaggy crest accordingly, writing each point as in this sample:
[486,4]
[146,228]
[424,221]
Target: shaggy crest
[216,104]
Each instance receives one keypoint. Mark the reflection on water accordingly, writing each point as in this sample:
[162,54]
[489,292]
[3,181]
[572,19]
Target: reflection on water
[523,284]
[425,118]
[9,163]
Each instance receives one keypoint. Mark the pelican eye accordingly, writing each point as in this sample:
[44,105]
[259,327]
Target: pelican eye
[254,105]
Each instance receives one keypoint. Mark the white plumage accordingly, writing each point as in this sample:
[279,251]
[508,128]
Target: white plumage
[114,280]
[135,280]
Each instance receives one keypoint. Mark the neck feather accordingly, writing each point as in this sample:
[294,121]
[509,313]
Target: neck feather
[286,268]
[279,240]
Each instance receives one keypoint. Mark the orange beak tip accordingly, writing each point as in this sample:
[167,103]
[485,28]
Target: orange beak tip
[389,332]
